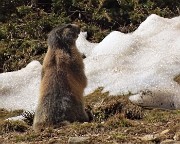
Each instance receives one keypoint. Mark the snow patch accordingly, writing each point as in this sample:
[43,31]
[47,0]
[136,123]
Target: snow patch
[143,62]
[148,58]
[84,46]
[19,89]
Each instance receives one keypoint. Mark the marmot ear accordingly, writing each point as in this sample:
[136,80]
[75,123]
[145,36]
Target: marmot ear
[57,35]
[54,39]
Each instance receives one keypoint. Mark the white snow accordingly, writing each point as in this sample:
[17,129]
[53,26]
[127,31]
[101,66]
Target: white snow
[19,89]
[16,118]
[83,45]
[147,59]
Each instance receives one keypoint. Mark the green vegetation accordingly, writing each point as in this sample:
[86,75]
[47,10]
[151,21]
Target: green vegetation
[24,28]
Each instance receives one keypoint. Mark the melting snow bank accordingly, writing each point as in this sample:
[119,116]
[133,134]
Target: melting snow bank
[83,45]
[144,62]
[19,89]
[158,98]
[148,58]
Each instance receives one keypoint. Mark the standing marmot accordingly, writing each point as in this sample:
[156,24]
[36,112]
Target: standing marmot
[63,81]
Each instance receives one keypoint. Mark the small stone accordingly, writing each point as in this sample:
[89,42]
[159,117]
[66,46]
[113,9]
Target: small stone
[53,141]
[170,141]
[165,131]
[78,140]
[149,137]
[177,136]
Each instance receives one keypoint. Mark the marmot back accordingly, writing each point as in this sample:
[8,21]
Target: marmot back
[63,81]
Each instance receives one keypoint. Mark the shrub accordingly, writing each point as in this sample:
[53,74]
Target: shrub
[7,7]
[23,22]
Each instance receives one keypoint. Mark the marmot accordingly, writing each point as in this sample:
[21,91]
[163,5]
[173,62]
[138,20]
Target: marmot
[63,81]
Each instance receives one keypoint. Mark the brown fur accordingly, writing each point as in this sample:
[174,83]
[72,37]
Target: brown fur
[63,81]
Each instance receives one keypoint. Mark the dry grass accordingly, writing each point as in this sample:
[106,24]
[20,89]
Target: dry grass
[116,120]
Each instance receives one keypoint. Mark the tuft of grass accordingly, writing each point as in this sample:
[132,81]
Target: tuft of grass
[119,136]
[96,97]
[117,121]
[12,126]
[133,112]
[156,115]
[104,106]
[28,137]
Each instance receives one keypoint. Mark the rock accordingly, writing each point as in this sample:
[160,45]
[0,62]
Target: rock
[78,140]
[149,137]
[177,136]
[160,136]
[170,141]
[165,132]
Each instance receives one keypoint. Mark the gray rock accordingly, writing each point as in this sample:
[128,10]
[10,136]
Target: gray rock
[177,136]
[149,137]
[78,140]
[170,141]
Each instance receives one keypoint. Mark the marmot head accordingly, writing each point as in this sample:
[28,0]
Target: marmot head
[63,37]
